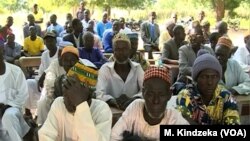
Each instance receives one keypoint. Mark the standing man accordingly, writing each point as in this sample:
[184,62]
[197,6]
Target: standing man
[85,21]
[54,25]
[103,25]
[37,14]
[31,20]
[201,16]
[80,12]
[13,93]
[6,30]
[222,28]
[150,33]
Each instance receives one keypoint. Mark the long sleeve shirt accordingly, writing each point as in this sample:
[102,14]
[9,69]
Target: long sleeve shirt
[132,120]
[187,57]
[95,56]
[45,61]
[110,85]
[107,41]
[13,88]
[242,56]
[236,78]
[101,27]
[11,52]
[88,123]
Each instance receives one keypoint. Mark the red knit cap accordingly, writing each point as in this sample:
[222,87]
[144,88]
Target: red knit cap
[159,72]
[225,41]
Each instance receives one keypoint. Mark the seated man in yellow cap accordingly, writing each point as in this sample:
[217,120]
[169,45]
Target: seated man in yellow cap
[120,82]
[76,116]
[142,119]
[69,57]
[234,78]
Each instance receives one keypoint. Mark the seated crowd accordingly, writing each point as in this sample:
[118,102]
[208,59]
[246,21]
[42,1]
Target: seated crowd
[77,87]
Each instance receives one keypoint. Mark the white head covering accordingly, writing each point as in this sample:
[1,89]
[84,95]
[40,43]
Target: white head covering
[63,44]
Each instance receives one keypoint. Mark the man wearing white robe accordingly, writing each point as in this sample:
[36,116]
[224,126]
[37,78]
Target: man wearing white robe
[120,82]
[76,116]
[242,55]
[13,93]
[234,78]
[88,123]
[142,118]
[46,59]
[55,70]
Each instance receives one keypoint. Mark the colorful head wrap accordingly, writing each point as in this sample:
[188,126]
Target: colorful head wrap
[158,72]
[70,49]
[225,41]
[87,75]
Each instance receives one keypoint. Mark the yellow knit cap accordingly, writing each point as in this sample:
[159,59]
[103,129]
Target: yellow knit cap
[70,49]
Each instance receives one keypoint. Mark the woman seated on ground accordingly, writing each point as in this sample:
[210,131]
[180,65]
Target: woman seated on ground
[206,102]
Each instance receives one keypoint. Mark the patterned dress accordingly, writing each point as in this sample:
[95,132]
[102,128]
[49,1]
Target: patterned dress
[222,109]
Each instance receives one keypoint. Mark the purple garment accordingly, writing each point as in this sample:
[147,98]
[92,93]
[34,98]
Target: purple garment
[95,56]
[107,41]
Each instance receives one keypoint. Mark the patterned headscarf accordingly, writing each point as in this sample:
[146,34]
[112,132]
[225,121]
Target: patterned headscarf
[157,72]
[87,75]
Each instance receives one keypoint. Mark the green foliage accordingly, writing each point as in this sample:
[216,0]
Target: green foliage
[124,4]
[230,5]
[13,5]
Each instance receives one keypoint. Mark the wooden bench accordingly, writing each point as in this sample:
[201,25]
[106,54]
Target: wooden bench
[243,102]
[30,64]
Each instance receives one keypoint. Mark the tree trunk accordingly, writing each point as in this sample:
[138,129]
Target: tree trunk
[219,6]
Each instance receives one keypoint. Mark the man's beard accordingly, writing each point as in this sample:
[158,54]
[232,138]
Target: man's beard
[121,63]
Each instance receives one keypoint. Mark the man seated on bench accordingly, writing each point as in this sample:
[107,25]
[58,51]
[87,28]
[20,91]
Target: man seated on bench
[33,44]
[13,93]
[142,119]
